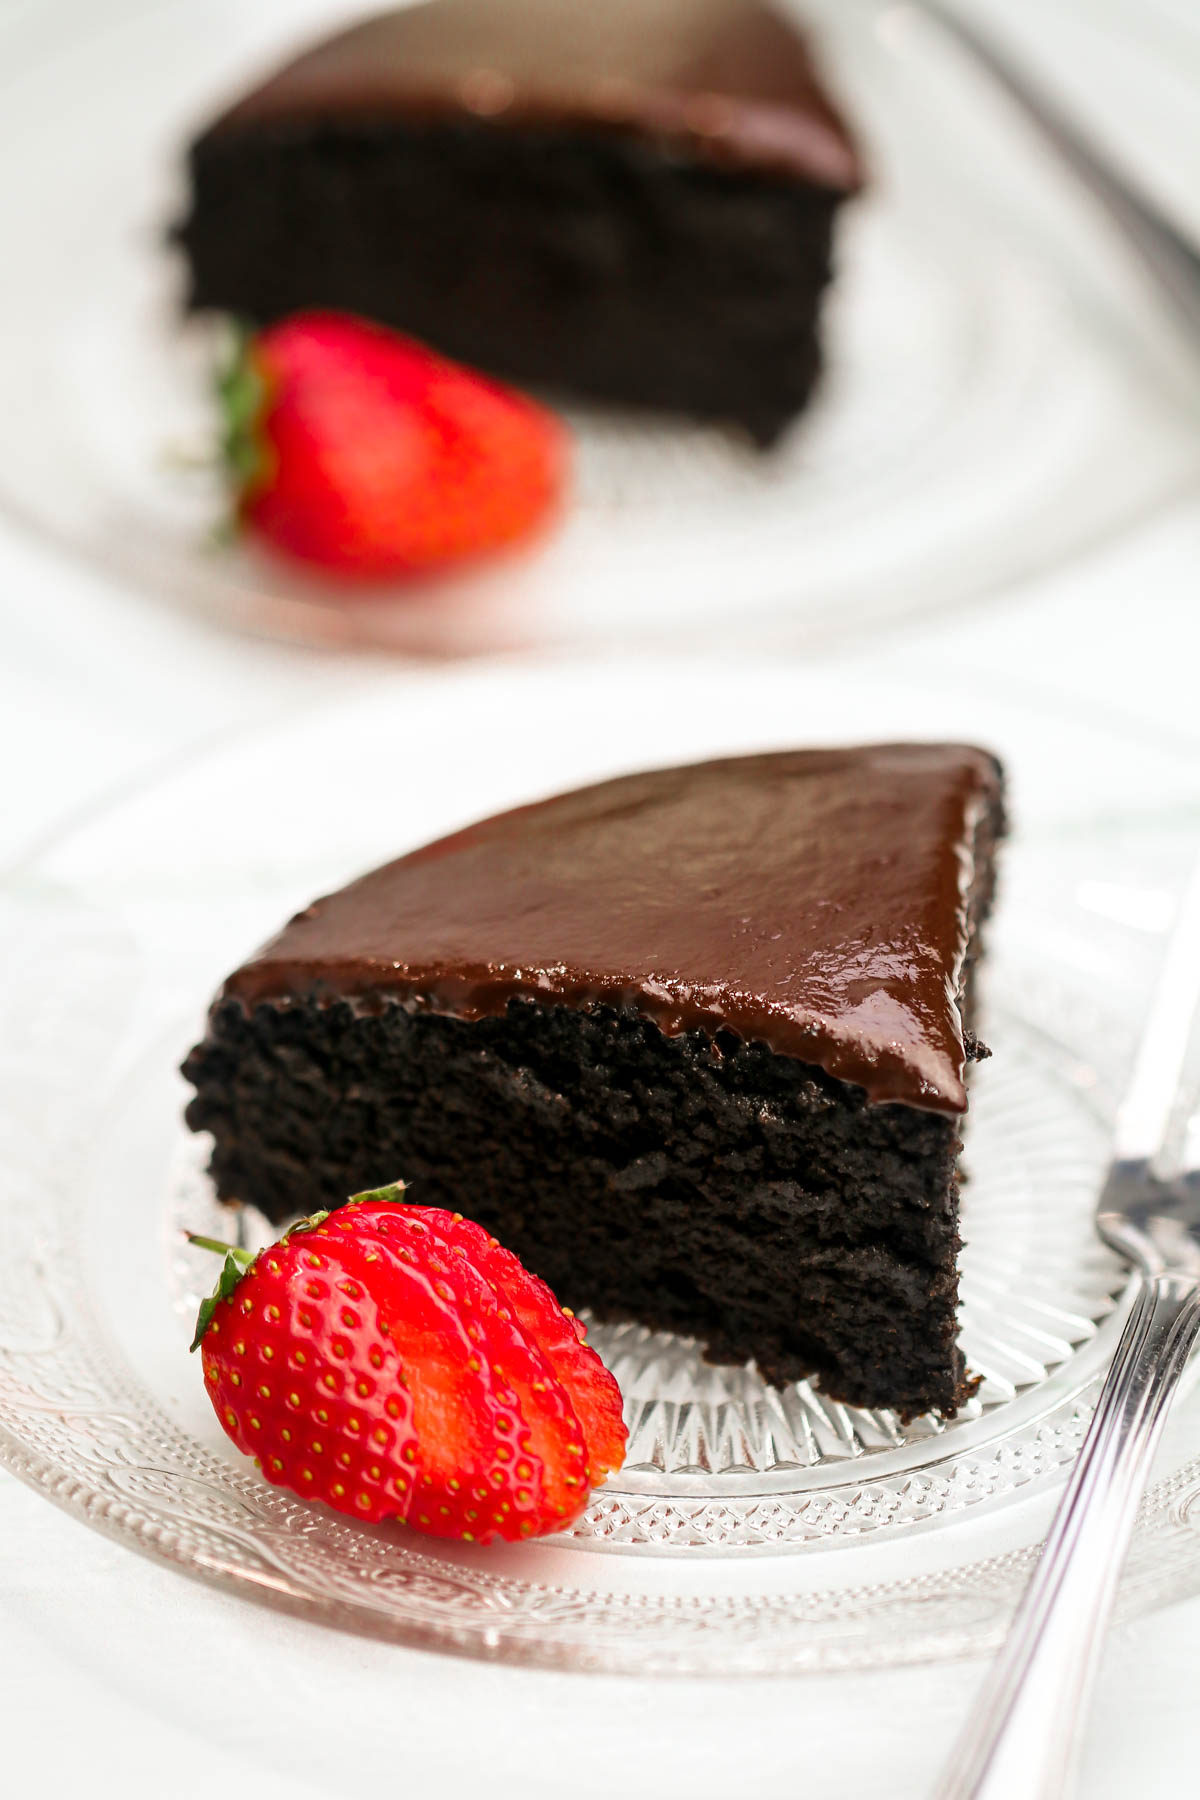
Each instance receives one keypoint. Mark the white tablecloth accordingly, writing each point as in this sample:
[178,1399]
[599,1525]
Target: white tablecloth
[117,1676]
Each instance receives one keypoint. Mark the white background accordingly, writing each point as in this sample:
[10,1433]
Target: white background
[116,1676]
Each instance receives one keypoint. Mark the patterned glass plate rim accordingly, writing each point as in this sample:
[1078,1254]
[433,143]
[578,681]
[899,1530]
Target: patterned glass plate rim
[719,1462]
[114,942]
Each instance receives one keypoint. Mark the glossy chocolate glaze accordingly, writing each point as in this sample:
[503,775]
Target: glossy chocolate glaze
[814,900]
[728,80]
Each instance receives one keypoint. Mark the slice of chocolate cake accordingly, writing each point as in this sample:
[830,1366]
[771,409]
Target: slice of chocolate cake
[691,1042]
[632,202]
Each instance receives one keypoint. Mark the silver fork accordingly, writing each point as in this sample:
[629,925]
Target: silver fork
[1024,1730]
[1166,255]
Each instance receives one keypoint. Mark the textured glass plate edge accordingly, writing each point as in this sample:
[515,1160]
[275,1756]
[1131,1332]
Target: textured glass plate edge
[1010,1449]
[958,1612]
[170,1498]
[180,1517]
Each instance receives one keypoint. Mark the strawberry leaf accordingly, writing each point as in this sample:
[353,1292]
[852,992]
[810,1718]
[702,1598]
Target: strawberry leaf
[243,398]
[236,1263]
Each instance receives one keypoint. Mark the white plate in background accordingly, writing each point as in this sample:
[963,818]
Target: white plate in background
[997,398]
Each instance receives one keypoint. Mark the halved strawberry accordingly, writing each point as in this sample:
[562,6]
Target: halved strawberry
[367,1362]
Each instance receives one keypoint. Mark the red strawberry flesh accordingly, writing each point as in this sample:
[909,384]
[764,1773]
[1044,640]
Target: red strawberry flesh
[562,1338]
[369,456]
[474,1360]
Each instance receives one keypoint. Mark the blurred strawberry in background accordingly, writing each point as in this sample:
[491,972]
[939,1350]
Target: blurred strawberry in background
[364,454]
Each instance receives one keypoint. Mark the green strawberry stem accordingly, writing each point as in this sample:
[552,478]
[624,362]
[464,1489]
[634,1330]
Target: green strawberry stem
[242,396]
[221,1248]
[239,1261]
[394,1192]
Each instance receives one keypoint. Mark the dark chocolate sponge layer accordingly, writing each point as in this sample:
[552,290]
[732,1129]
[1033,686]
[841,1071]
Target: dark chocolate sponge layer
[710,1188]
[582,263]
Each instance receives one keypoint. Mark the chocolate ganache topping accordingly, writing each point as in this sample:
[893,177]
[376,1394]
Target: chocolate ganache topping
[730,81]
[813,900]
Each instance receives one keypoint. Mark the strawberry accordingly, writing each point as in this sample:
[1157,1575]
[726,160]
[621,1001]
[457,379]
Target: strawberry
[370,1360]
[363,453]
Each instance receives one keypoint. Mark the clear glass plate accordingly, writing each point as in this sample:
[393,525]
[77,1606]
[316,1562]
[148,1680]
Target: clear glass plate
[752,1530]
[995,399]
[717,1460]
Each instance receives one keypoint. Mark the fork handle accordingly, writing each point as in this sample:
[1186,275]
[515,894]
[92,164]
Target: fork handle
[1170,257]
[1022,1737]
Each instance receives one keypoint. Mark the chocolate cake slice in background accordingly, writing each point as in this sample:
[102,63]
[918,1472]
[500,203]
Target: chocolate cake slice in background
[631,202]
[692,1042]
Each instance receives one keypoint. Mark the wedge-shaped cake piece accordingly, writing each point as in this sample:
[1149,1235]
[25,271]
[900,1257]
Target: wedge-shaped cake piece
[692,1042]
[631,200]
